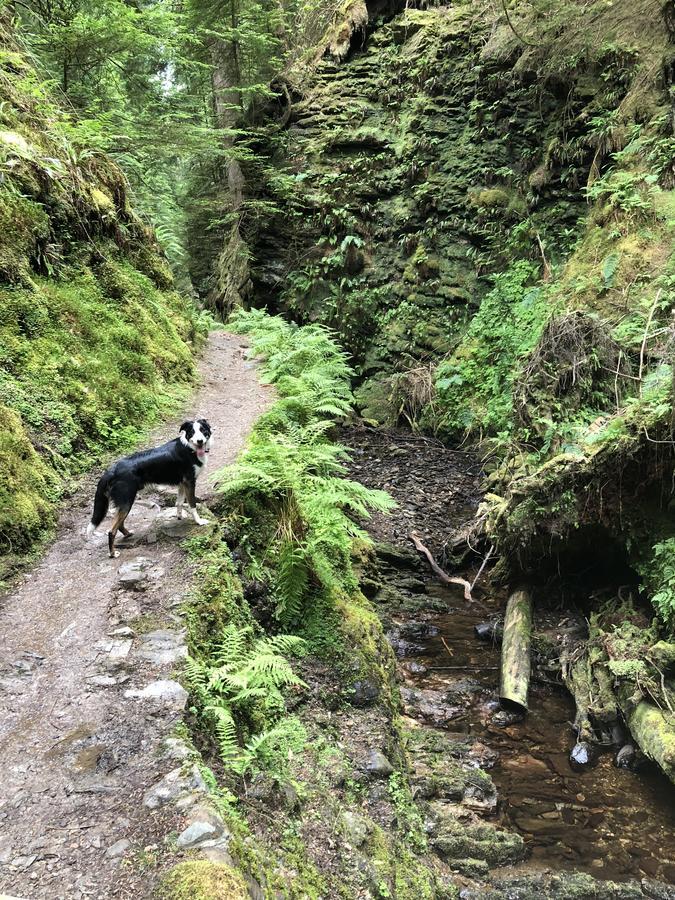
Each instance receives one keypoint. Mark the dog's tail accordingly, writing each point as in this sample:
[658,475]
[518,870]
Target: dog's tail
[101,503]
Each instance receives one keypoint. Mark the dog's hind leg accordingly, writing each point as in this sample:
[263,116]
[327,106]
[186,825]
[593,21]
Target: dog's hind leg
[117,525]
[125,531]
[179,501]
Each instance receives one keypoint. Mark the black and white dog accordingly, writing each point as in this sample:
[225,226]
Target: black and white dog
[178,462]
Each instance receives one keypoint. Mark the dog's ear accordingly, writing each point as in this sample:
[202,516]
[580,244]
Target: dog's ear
[206,428]
[186,428]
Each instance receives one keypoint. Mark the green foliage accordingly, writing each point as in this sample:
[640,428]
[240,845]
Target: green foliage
[84,362]
[628,193]
[240,687]
[475,385]
[660,578]
[292,469]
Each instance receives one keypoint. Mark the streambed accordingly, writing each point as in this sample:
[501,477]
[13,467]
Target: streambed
[613,823]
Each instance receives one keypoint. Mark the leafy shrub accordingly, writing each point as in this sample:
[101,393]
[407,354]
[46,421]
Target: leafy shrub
[661,581]
[475,385]
[628,193]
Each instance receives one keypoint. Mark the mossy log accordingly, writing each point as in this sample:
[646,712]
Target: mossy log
[589,681]
[654,732]
[515,671]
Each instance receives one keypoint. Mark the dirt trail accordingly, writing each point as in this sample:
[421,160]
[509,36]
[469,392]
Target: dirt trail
[78,637]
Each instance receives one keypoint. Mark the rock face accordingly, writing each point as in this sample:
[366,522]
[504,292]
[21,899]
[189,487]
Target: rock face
[410,157]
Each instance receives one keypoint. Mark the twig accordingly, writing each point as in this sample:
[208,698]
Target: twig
[654,441]
[664,689]
[472,668]
[447,579]
[547,268]
[445,644]
[644,339]
[510,23]
[617,372]
[482,566]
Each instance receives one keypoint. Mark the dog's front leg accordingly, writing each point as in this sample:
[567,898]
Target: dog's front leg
[179,501]
[192,503]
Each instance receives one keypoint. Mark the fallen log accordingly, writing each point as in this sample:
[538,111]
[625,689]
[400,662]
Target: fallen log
[515,668]
[445,578]
[654,732]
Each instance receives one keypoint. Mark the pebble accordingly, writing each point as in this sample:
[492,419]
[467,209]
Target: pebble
[118,848]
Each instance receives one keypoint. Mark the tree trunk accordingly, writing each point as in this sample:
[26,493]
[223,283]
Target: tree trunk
[515,671]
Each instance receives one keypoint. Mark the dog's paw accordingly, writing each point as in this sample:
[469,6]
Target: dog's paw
[115,554]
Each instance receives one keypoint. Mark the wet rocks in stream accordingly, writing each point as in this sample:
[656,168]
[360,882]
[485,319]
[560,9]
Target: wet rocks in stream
[428,706]
[583,755]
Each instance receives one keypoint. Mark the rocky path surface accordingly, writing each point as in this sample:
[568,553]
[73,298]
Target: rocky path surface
[88,646]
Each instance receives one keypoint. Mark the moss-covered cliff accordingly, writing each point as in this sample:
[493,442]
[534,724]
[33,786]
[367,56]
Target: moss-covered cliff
[422,153]
[93,340]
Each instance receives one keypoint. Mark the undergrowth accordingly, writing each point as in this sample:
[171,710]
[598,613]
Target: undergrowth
[295,472]
[294,516]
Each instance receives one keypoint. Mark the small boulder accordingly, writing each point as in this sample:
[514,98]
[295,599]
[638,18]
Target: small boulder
[134,576]
[583,755]
[626,758]
[355,828]
[168,693]
[197,833]
[173,785]
[163,647]
[377,765]
[365,692]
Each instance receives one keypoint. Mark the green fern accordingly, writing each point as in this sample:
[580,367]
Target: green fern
[245,678]
[294,469]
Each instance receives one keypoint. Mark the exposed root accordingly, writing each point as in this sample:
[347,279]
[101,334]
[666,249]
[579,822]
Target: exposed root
[444,577]
[572,353]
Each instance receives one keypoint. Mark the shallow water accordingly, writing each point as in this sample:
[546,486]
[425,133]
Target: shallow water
[610,822]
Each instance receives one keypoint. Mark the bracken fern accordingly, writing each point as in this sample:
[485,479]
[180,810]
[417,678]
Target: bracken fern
[243,681]
[292,468]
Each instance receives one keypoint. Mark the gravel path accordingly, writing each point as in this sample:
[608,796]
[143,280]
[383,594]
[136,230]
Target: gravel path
[80,638]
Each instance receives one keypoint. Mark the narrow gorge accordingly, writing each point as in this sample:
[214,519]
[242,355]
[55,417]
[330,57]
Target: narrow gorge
[415,263]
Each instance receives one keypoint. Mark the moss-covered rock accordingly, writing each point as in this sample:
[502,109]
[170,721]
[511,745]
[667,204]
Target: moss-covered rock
[203,880]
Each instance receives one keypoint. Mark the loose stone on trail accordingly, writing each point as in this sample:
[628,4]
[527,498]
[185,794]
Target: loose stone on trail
[164,691]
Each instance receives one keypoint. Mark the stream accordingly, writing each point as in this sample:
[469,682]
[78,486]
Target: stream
[610,822]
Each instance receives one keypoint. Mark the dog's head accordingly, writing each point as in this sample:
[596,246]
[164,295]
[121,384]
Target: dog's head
[196,435]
